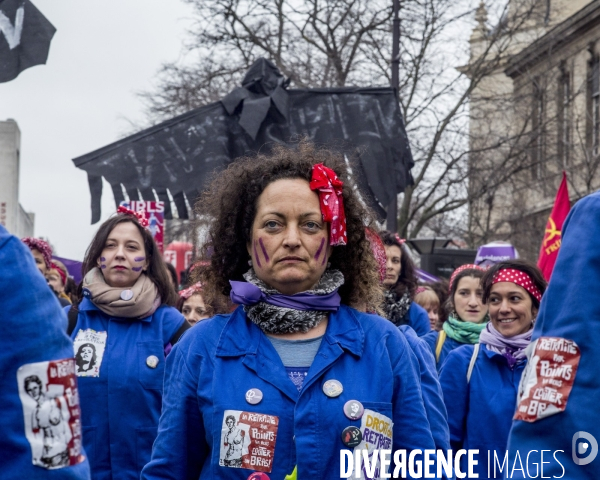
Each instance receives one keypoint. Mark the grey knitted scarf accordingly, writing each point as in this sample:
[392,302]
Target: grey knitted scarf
[275,320]
[396,309]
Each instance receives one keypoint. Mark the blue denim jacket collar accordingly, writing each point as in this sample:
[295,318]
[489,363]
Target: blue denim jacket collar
[242,337]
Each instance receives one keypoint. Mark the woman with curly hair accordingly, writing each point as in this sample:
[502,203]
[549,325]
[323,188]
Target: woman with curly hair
[192,306]
[295,359]
[400,287]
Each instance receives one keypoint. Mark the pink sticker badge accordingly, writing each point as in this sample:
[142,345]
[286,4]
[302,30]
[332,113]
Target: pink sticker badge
[50,400]
[248,440]
[548,378]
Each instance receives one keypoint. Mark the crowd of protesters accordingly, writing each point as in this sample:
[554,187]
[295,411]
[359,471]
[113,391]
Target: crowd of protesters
[296,329]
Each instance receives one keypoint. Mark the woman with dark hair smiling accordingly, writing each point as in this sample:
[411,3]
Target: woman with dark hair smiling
[290,365]
[120,331]
[480,382]
[400,287]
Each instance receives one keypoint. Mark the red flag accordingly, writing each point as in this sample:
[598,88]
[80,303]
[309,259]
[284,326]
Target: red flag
[552,235]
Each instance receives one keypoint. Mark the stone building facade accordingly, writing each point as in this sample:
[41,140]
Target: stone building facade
[12,214]
[542,106]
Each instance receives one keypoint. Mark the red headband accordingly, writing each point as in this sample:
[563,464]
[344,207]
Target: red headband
[188,292]
[142,220]
[518,278]
[62,274]
[462,268]
[327,183]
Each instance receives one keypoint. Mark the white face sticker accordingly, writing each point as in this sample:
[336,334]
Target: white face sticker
[248,440]
[89,348]
[377,435]
[50,400]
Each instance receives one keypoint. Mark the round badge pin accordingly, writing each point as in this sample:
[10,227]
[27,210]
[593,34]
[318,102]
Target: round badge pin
[152,361]
[126,295]
[258,476]
[332,388]
[351,436]
[353,409]
[254,396]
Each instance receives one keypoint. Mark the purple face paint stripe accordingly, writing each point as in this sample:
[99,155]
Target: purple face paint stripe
[102,259]
[318,254]
[264,250]
[324,259]
[102,266]
[139,259]
[136,269]
[256,255]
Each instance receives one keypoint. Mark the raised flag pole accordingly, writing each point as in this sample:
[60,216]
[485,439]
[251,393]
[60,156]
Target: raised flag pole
[392,210]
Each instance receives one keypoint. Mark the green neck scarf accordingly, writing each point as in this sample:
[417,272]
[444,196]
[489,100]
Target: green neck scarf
[464,332]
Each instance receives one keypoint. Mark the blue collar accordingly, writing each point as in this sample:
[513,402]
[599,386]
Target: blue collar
[242,337]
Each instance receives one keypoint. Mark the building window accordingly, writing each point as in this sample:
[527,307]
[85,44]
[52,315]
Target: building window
[538,130]
[564,118]
[595,105]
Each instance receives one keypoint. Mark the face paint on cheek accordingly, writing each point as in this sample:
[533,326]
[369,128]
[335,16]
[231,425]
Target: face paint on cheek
[320,250]
[102,259]
[102,266]
[256,255]
[136,269]
[139,259]
[324,259]
[264,250]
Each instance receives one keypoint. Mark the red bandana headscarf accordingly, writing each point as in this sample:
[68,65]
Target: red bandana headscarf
[142,220]
[518,278]
[60,271]
[462,268]
[40,246]
[329,186]
[188,292]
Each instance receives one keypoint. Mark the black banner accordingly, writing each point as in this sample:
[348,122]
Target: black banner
[178,156]
[25,36]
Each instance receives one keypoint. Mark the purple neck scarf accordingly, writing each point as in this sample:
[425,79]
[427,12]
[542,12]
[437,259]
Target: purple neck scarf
[245,293]
[512,348]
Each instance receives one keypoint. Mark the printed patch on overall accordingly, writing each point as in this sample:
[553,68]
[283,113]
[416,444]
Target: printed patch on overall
[377,434]
[248,440]
[548,378]
[50,400]
[89,348]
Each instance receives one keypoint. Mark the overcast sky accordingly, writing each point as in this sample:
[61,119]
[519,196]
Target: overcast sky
[102,54]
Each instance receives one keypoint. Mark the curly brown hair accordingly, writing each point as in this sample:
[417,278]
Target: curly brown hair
[230,204]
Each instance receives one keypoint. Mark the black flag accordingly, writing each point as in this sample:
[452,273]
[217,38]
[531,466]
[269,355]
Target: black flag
[176,158]
[25,36]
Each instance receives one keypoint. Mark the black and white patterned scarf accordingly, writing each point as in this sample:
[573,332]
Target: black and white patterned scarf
[396,309]
[275,320]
